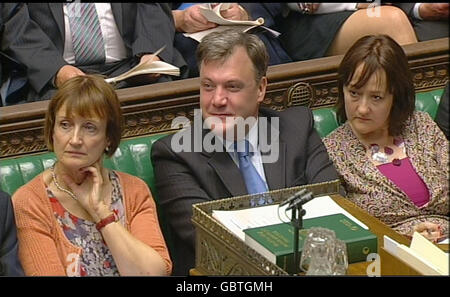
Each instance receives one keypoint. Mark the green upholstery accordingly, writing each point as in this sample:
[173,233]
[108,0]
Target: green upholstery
[325,120]
[18,171]
[429,101]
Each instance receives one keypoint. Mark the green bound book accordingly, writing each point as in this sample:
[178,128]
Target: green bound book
[275,242]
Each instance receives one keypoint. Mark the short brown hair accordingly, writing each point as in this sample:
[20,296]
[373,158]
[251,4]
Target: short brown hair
[219,46]
[87,95]
[379,52]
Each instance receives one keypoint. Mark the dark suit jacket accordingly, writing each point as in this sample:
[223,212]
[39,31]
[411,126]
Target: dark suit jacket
[425,30]
[144,27]
[186,178]
[9,260]
[14,22]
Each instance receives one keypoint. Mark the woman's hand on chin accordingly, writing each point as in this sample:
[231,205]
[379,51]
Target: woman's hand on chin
[91,192]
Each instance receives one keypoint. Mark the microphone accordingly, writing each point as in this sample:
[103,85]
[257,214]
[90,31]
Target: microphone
[293,197]
[302,200]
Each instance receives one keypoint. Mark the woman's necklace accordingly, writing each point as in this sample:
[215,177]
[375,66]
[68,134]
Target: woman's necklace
[70,193]
[382,157]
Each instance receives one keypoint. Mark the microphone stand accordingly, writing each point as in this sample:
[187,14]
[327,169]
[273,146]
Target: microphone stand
[297,223]
[295,203]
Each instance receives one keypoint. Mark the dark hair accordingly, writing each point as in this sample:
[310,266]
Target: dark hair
[218,46]
[85,96]
[379,52]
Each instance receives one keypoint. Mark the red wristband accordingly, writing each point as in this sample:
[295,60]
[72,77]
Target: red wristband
[108,220]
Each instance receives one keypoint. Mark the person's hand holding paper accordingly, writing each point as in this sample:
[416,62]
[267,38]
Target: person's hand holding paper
[149,77]
[149,68]
[233,11]
[191,20]
[225,16]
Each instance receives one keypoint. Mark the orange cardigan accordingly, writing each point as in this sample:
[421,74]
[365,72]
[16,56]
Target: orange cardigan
[45,250]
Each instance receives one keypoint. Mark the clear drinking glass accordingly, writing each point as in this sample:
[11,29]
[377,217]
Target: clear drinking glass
[318,255]
[341,260]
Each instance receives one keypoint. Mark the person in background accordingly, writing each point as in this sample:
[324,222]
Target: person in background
[15,23]
[97,38]
[9,259]
[393,160]
[189,19]
[233,84]
[78,218]
[315,30]
[430,20]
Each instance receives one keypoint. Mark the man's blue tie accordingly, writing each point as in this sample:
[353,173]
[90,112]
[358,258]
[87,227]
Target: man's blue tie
[253,180]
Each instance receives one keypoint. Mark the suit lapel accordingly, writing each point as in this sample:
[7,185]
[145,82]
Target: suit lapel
[225,168]
[228,173]
[276,171]
[117,12]
[58,15]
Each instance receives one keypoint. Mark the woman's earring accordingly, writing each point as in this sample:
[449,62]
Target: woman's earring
[107,149]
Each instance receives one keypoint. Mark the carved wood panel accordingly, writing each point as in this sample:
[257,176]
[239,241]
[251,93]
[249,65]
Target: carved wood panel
[149,110]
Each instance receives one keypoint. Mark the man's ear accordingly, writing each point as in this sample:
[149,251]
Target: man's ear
[262,89]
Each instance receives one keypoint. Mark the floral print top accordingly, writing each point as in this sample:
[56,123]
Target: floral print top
[96,258]
[428,151]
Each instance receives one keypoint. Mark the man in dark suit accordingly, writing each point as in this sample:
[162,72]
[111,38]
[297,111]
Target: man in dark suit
[201,164]
[14,23]
[131,33]
[9,260]
[430,20]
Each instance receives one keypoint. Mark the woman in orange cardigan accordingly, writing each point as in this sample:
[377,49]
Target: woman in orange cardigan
[78,218]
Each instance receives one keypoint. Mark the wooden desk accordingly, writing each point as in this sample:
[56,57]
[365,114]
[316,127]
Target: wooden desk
[378,228]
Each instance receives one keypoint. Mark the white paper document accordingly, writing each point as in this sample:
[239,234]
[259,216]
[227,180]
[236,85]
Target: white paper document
[213,15]
[148,67]
[422,255]
[238,220]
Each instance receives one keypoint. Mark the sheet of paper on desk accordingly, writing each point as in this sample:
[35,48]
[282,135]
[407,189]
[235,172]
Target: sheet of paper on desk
[431,252]
[238,220]
[422,255]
